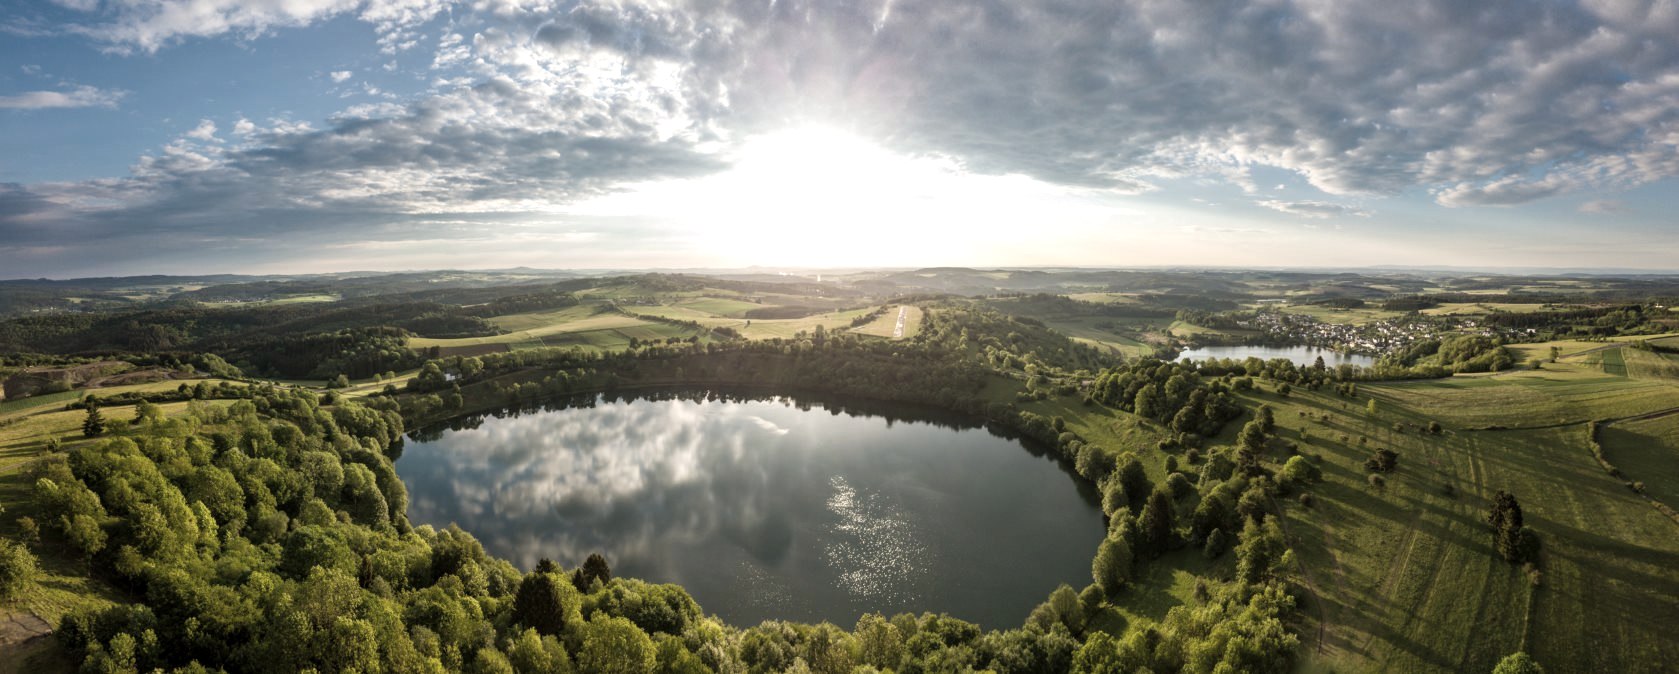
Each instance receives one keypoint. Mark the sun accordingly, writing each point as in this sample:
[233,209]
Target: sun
[820,196]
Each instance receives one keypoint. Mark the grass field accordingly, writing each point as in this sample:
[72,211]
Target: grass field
[582,326]
[887,323]
[1405,577]
[1185,329]
[1647,450]
[1560,394]
[1466,309]
[1083,329]
[1360,316]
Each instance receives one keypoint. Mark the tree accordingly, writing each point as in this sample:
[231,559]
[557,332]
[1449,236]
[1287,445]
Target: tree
[1515,543]
[615,646]
[594,568]
[1111,568]
[17,569]
[880,643]
[541,603]
[94,425]
[1261,547]
[1157,525]
[1518,662]
[145,411]
[1133,479]
[1217,543]
[1382,461]
[1370,406]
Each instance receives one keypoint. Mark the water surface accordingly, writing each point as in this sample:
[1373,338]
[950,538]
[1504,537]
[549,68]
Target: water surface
[767,508]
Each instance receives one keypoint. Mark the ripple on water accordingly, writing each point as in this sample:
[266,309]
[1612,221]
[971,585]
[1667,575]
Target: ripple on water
[873,547]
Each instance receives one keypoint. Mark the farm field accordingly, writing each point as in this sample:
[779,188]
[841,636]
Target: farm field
[1461,309]
[1360,316]
[1120,339]
[583,326]
[1528,398]
[1647,450]
[1404,575]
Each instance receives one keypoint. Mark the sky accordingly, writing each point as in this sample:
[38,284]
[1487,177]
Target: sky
[302,136]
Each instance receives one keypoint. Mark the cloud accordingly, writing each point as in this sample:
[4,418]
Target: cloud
[205,131]
[537,103]
[1314,209]
[1479,105]
[1603,207]
[341,75]
[80,96]
[126,26]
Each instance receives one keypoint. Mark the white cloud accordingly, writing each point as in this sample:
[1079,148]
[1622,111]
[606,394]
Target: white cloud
[1603,207]
[341,75]
[76,97]
[205,131]
[149,25]
[1314,209]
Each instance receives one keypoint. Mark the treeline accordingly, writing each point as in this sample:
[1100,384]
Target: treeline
[1583,321]
[1443,357]
[1056,306]
[836,362]
[1004,341]
[203,390]
[315,341]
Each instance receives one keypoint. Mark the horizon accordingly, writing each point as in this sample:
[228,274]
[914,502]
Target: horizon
[604,272]
[295,138]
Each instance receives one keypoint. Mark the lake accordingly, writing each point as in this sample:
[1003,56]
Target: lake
[767,507]
[1301,355]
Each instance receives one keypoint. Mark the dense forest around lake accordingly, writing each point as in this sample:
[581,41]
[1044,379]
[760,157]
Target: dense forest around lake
[204,481]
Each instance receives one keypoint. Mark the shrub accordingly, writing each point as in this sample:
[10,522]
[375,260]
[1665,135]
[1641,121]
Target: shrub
[17,568]
[1376,480]
[1383,461]
[1518,663]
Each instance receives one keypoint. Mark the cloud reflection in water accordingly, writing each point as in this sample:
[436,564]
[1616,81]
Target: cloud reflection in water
[765,510]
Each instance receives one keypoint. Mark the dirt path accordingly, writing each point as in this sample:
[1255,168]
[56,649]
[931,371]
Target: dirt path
[1306,575]
[19,628]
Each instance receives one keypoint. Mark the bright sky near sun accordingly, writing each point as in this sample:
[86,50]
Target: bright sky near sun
[190,136]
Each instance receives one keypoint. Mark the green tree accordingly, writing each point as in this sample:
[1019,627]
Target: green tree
[543,601]
[594,569]
[1157,525]
[17,569]
[531,653]
[612,645]
[1111,568]
[1518,662]
[84,534]
[145,411]
[880,643]
[1133,479]
[1515,543]
[94,425]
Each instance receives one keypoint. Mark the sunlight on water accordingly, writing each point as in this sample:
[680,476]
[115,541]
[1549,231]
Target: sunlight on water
[873,548]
